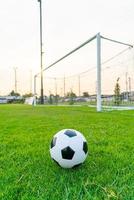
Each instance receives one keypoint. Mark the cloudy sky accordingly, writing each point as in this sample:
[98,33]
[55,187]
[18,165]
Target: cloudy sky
[66,24]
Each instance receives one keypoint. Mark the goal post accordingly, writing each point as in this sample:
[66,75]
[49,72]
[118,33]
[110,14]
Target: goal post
[99,62]
[99,106]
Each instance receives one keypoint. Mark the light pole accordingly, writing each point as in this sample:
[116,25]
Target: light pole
[41,53]
[79,84]
[35,85]
[15,79]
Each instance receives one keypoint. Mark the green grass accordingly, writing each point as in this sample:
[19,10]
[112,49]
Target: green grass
[28,173]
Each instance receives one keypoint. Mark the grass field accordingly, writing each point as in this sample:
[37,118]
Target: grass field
[28,173]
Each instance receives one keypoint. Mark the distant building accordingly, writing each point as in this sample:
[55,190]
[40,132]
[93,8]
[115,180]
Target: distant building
[3,100]
[10,99]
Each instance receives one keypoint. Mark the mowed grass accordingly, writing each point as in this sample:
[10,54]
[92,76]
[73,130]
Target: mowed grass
[28,173]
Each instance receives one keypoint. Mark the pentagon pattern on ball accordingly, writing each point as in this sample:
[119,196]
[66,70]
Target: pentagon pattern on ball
[69,148]
[70,133]
[67,153]
[85,147]
[53,142]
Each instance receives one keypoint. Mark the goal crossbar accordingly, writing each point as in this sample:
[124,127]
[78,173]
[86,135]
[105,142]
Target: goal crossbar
[115,41]
[71,52]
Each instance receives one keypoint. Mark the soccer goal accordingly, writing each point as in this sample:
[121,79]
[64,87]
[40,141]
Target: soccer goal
[99,72]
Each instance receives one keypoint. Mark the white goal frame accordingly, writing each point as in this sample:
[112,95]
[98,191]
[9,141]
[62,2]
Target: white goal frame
[98,38]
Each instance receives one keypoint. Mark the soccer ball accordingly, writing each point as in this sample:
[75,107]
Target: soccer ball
[69,148]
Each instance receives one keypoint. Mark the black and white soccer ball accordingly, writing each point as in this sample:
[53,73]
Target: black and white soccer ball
[69,148]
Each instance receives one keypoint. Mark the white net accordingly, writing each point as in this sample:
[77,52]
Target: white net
[117,68]
[75,74]
[74,79]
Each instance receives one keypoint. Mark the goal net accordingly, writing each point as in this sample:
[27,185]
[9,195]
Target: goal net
[97,73]
[117,72]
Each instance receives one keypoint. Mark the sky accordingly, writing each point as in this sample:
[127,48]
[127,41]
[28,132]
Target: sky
[66,24]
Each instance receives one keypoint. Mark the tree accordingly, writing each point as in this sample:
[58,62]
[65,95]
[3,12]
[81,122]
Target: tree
[117,94]
[28,95]
[13,93]
[85,94]
[71,96]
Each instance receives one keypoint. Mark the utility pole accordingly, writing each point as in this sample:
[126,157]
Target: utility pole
[15,79]
[55,86]
[129,86]
[126,82]
[64,86]
[79,84]
[41,52]
[126,85]
[99,106]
